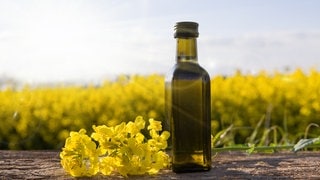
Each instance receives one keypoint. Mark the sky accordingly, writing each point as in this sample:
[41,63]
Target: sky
[85,40]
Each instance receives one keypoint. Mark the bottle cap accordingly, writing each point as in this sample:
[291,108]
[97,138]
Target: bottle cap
[186,29]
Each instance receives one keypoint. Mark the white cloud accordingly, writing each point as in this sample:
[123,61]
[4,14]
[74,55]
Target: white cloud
[66,40]
[270,51]
[73,40]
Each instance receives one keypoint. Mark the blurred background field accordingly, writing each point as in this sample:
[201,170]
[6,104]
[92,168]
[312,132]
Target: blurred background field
[284,107]
[61,64]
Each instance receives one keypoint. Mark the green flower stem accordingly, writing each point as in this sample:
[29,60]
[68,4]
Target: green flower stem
[246,148]
[260,148]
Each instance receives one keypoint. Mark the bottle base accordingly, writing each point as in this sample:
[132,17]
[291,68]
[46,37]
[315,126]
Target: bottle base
[191,167]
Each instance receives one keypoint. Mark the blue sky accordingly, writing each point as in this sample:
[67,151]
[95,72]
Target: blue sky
[82,40]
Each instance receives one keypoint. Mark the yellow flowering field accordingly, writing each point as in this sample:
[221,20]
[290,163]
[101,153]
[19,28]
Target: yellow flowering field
[288,104]
[37,118]
[281,106]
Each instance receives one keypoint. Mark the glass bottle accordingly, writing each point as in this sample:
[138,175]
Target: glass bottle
[187,97]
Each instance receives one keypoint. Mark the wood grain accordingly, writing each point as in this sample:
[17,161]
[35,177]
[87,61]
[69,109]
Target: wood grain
[284,165]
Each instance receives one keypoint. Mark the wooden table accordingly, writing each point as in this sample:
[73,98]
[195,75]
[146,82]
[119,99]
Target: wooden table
[284,165]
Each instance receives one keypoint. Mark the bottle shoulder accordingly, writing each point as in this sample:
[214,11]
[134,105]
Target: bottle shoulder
[187,71]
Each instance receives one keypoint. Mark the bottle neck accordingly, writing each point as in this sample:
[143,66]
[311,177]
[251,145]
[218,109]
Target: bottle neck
[187,50]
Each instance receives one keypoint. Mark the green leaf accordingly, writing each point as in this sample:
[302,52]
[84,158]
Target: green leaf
[252,148]
[303,143]
[217,139]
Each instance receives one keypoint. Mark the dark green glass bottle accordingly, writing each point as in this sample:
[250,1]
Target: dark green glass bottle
[187,97]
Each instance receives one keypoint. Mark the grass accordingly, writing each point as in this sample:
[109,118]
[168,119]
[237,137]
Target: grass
[265,139]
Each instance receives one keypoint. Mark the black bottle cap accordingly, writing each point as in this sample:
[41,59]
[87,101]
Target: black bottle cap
[186,29]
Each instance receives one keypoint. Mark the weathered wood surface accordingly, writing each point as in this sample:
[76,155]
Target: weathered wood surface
[285,165]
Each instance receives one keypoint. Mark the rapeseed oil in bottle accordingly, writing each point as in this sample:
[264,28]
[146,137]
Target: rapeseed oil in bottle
[187,97]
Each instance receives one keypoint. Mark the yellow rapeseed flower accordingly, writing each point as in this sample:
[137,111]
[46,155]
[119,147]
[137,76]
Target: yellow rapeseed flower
[121,149]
